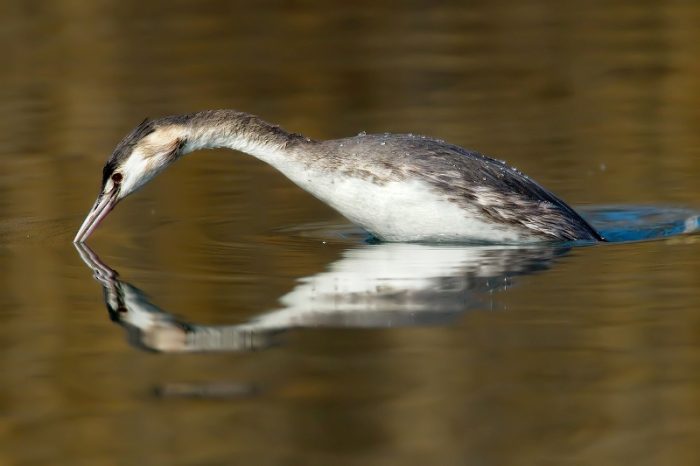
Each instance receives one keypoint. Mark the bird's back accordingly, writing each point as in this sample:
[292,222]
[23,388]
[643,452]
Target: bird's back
[477,187]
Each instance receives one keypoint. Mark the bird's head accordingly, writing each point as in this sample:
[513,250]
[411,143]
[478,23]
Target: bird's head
[146,151]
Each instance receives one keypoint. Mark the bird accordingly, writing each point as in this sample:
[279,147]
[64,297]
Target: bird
[397,187]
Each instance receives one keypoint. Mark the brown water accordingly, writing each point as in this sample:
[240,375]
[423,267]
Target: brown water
[407,354]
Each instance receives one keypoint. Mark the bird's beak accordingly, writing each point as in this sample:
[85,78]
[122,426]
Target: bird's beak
[103,205]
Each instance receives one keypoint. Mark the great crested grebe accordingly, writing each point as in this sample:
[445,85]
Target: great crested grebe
[398,187]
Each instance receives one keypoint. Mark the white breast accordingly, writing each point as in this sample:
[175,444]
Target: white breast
[406,210]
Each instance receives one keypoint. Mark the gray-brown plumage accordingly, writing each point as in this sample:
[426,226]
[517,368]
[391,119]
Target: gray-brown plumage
[466,178]
[399,187]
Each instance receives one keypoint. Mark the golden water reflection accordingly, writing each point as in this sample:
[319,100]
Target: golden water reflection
[593,361]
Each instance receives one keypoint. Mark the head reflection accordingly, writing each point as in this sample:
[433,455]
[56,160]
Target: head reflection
[382,285]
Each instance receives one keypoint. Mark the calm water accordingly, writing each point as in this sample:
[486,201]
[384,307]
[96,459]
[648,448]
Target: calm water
[236,320]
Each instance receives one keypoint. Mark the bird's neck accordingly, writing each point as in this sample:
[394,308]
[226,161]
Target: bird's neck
[242,132]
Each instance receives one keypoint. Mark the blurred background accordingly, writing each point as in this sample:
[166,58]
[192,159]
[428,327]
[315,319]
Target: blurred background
[594,362]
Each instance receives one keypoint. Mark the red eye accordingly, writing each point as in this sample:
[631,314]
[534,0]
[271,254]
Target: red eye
[117,177]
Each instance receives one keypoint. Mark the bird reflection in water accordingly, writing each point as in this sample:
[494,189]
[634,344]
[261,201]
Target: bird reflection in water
[373,286]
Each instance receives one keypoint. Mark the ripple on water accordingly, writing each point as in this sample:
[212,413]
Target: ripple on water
[617,223]
[639,223]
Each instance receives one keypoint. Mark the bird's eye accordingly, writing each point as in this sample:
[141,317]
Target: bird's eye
[117,177]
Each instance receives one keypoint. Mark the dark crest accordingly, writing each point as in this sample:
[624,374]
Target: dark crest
[124,148]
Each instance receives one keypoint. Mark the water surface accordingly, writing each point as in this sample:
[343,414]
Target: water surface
[248,324]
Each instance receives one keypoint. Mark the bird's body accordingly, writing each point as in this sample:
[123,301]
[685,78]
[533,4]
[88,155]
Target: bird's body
[398,187]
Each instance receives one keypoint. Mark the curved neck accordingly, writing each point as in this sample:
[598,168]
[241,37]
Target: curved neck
[238,131]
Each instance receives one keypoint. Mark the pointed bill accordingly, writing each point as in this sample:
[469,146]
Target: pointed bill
[103,205]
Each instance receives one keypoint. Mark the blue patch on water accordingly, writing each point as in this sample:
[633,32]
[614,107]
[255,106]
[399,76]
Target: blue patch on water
[639,223]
